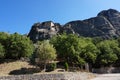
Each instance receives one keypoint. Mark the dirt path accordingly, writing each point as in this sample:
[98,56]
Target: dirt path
[107,77]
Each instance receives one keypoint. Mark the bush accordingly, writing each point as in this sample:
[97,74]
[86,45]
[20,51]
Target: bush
[32,58]
[18,46]
[51,67]
[2,51]
[66,66]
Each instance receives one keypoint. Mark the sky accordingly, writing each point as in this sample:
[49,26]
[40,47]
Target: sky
[20,15]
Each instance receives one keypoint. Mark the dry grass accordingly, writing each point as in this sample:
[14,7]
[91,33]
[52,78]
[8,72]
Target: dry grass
[6,68]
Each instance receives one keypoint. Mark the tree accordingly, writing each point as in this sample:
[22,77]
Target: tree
[88,50]
[18,46]
[116,48]
[3,38]
[45,52]
[75,50]
[97,40]
[108,52]
[68,48]
[2,51]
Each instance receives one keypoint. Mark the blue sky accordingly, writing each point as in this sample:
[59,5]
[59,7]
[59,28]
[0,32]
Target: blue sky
[20,15]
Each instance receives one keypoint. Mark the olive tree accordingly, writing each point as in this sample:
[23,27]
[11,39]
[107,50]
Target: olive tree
[45,52]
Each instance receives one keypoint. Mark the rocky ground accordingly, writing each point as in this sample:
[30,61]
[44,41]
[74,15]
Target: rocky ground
[107,77]
[51,76]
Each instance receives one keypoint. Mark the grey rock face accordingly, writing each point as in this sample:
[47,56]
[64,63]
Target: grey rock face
[114,18]
[106,25]
[44,30]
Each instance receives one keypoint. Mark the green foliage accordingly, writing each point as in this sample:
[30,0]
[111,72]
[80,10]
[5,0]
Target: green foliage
[3,38]
[51,67]
[2,51]
[75,50]
[45,51]
[88,50]
[66,66]
[108,52]
[68,48]
[96,40]
[18,46]
[117,47]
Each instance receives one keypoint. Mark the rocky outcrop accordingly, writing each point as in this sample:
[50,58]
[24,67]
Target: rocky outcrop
[106,25]
[44,30]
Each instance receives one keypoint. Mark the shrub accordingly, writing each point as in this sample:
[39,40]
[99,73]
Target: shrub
[66,66]
[51,67]
[2,51]
[18,46]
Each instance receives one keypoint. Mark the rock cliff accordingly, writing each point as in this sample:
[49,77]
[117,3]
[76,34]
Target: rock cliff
[44,30]
[106,25]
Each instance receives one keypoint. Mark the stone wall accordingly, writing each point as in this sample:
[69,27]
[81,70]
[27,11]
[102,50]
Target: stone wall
[48,76]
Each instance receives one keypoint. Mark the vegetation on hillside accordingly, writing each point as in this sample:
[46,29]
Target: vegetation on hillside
[66,48]
[80,50]
[16,46]
[45,52]
[2,51]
